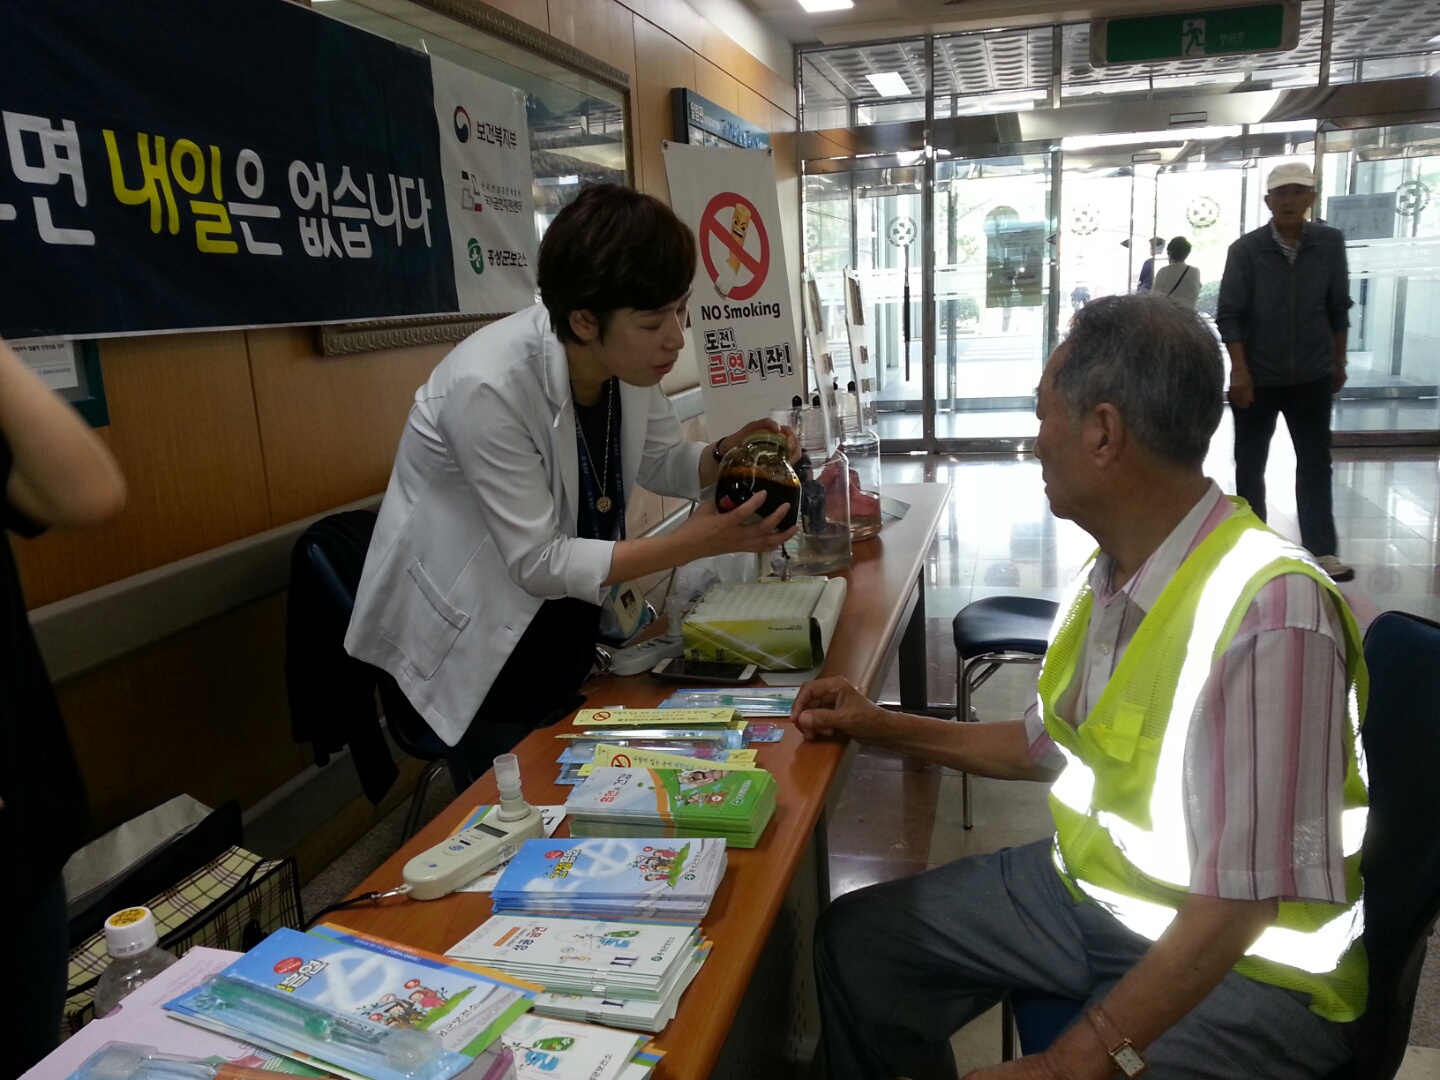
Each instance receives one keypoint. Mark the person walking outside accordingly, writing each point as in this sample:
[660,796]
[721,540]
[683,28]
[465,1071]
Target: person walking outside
[1283,316]
[1177,279]
[1147,268]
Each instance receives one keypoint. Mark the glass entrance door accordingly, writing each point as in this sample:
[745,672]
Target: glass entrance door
[995,302]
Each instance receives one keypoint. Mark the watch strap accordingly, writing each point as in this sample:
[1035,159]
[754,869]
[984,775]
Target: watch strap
[1121,1050]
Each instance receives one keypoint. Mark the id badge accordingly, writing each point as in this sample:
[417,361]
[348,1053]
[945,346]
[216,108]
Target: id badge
[622,613]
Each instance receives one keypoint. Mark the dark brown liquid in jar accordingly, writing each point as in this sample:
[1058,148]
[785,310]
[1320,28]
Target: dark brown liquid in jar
[738,484]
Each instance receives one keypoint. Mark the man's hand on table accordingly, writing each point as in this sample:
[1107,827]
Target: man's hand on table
[835,707]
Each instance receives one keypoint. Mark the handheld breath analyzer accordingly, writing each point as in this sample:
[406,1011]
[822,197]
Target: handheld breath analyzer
[469,853]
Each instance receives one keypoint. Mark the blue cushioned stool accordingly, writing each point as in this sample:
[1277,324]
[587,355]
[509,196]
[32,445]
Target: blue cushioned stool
[990,633]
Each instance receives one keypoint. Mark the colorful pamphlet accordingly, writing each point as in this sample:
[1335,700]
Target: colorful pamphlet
[550,1049]
[613,879]
[601,957]
[339,999]
[735,805]
[633,1014]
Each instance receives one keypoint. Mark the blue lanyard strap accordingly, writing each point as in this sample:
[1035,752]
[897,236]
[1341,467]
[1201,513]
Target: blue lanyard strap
[614,486]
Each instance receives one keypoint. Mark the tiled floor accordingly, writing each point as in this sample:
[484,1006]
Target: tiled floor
[898,815]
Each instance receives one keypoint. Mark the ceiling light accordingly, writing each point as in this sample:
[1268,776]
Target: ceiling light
[889,84]
[814,6]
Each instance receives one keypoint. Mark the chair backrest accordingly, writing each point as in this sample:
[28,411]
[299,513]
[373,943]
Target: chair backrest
[1401,855]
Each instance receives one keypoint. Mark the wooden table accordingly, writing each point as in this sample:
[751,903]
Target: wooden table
[884,604]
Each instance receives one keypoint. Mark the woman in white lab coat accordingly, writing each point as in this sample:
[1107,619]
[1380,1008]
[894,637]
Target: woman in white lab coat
[503,527]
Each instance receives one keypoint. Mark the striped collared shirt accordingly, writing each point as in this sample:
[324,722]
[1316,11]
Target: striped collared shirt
[1264,767]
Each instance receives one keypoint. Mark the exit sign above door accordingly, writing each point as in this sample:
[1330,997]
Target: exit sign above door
[1184,35]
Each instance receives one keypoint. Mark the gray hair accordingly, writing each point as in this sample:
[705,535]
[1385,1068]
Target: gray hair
[1156,362]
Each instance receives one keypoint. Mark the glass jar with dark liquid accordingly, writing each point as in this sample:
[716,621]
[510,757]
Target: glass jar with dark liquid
[759,464]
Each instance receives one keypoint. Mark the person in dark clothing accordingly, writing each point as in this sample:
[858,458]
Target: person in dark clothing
[1283,316]
[1147,268]
[53,471]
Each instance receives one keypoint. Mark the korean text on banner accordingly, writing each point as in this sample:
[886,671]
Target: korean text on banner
[740,312]
[485,158]
[247,164]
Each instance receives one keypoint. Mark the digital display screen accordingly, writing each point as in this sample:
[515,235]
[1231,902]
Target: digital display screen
[490,830]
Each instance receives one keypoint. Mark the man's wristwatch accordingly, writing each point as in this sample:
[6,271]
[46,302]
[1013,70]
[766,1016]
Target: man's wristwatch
[1122,1052]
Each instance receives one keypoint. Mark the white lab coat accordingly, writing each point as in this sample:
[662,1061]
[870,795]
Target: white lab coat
[478,524]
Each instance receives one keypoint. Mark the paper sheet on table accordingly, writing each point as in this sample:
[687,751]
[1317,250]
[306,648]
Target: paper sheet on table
[789,678]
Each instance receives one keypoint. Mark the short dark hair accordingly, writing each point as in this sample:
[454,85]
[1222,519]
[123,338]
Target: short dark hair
[1178,249]
[613,248]
[1156,241]
[1156,362]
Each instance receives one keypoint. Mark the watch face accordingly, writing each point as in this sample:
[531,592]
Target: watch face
[1129,1060]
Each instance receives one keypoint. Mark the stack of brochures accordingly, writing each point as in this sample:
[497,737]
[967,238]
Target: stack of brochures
[612,879]
[549,1049]
[342,1001]
[734,804]
[624,974]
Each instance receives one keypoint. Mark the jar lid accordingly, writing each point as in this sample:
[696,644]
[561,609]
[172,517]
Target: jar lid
[774,437]
[130,931]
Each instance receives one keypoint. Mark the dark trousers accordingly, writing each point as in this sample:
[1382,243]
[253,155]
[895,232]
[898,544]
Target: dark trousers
[1306,408]
[902,965]
[33,964]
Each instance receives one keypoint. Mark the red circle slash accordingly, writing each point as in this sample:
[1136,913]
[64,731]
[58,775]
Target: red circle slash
[710,227]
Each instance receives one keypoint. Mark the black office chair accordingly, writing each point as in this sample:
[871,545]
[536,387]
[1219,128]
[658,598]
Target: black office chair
[335,549]
[990,633]
[1400,859]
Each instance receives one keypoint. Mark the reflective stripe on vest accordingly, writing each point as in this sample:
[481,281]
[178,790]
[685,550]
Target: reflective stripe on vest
[1150,857]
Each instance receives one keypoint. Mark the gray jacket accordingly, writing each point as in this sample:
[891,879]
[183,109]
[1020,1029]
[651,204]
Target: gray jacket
[1285,315]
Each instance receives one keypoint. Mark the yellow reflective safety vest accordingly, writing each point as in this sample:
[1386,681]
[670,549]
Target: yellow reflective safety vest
[1120,835]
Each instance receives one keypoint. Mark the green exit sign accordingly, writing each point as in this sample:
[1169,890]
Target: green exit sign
[1272,27]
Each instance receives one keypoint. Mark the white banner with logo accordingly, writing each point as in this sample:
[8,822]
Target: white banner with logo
[485,158]
[740,312]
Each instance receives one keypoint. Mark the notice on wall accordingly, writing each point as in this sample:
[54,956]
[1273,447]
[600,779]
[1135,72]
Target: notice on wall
[740,310]
[53,360]
[248,164]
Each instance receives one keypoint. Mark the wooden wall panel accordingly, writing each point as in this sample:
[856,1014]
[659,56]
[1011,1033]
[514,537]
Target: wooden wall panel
[603,28]
[330,425]
[713,83]
[182,425]
[203,712]
[667,64]
[676,18]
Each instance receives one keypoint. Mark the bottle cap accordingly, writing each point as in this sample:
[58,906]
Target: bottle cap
[130,931]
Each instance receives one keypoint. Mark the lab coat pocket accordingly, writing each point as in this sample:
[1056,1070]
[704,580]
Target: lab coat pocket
[420,622]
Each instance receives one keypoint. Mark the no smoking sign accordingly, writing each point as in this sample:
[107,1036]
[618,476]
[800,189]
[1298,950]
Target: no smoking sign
[734,246]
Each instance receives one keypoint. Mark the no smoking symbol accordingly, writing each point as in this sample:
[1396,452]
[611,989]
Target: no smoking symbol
[729,221]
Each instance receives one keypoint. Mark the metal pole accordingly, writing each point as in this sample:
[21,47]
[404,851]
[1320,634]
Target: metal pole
[927,254]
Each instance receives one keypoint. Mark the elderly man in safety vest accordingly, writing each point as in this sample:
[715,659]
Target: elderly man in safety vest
[1199,708]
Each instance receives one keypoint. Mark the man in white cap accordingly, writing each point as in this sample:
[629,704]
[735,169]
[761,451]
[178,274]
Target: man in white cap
[1283,317]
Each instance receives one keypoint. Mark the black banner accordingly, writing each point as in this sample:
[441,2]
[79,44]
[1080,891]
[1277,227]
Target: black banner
[170,164]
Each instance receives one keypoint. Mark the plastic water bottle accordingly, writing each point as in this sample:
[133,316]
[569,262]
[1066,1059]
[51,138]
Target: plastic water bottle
[135,957]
